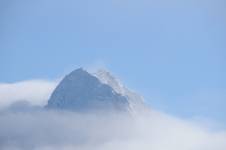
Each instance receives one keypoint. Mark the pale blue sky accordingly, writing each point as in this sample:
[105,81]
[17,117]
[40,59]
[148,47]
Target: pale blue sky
[172,51]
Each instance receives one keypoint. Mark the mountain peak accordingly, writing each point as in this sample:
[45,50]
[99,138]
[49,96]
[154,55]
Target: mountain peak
[82,91]
[77,72]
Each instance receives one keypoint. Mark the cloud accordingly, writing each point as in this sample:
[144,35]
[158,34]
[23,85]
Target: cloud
[48,130]
[36,92]
[51,130]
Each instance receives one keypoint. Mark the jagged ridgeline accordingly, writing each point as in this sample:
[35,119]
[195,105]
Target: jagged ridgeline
[83,91]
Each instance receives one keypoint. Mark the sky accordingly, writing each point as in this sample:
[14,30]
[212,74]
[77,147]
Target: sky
[171,52]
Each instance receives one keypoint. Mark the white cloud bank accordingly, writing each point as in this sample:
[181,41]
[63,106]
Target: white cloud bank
[48,130]
[36,92]
[72,131]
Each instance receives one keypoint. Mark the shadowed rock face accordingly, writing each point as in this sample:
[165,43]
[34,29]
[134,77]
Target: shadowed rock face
[81,91]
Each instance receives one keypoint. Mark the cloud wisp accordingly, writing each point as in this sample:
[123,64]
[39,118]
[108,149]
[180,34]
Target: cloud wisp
[36,92]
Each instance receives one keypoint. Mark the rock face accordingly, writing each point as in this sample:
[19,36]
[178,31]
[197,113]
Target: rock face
[82,91]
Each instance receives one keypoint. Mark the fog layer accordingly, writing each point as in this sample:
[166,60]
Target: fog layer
[49,130]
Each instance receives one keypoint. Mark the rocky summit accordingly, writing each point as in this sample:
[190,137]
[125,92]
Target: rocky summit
[83,91]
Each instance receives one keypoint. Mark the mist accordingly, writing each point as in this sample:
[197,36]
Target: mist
[51,130]
[35,92]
